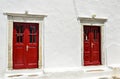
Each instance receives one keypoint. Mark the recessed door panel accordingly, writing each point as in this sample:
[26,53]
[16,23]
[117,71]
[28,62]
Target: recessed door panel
[92,45]
[25,45]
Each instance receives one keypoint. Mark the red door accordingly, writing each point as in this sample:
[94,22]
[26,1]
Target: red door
[92,45]
[25,45]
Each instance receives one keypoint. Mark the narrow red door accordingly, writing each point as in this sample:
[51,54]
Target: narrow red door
[95,46]
[87,45]
[32,45]
[19,46]
[92,45]
[25,45]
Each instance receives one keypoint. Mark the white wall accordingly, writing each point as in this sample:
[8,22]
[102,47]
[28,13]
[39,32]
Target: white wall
[62,36]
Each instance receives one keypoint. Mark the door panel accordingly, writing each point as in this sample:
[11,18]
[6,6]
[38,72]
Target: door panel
[95,42]
[32,42]
[19,58]
[92,45]
[25,45]
[18,46]
[87,52]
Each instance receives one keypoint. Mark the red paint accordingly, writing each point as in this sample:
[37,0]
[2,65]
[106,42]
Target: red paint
[25,45]
[92,45]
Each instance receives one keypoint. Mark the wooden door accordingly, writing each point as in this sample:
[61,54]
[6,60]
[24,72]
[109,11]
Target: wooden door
[25,45]
[92,45]
[32,45]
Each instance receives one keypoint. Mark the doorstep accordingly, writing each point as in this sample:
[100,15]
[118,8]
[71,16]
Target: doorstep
[97,72]
[22,73]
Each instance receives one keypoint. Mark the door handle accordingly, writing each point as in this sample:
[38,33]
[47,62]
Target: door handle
[92,44]
[27,47]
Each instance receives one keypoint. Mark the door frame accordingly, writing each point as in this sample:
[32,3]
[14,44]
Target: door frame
[86,21]
[25,18]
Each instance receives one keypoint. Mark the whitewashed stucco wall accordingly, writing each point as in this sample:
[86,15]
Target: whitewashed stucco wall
[62,36]
[3,39]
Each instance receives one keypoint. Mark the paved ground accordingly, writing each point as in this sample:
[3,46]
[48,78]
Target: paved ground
[66,75]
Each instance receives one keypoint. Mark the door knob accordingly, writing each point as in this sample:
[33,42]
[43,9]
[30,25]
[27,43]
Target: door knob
[27,47]
[92,44]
